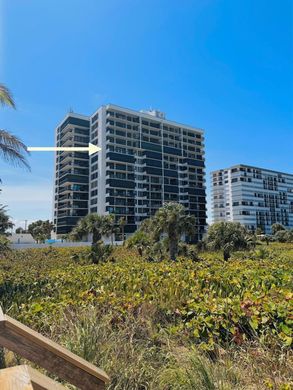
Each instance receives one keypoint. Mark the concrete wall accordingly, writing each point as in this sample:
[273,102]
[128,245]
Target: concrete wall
[55,245]
[59,245]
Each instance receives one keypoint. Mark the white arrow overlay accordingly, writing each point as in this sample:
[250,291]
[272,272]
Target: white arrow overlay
[91,149]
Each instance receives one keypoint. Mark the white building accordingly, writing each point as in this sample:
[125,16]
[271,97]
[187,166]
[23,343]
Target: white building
[255,197]
[145,160]
[21,238]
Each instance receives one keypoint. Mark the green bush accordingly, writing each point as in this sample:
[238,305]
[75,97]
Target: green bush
[284,236]
[4,245]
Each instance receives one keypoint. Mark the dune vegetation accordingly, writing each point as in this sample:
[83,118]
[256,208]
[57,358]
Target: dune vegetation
[204,323]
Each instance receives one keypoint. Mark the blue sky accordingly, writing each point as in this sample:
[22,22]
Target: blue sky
[221,65]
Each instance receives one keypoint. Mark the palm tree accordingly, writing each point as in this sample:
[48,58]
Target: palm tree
[91,224]
[227,236]
[173,220]
[5,223]
[139,240]
[277,227]
[96,225]
[122,223]
[6,98]
[12,149]
[110,227]
[147,226]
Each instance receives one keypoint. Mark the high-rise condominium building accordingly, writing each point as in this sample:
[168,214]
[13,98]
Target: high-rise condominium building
[145,161]
[255,197]
[71,187]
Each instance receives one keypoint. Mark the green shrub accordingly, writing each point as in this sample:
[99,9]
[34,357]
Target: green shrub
[4,245]
[284,236]
[188,251]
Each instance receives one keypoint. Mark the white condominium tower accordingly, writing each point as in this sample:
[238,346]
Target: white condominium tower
[255,197]
[145,161]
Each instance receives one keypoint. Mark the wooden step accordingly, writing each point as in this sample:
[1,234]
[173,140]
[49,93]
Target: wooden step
[26,378]
[47,354]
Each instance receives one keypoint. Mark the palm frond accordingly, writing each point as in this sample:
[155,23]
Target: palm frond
[12,149]
[6,98]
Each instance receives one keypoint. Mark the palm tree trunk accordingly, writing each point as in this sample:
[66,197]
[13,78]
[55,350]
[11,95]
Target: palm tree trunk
[173,248]
[95,246]
[96,237]
[226,254]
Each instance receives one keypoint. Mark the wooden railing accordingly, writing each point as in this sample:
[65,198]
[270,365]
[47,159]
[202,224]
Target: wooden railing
[47,354]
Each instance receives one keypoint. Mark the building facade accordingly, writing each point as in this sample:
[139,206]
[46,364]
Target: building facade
[71,186]
[255,197]
[145,161]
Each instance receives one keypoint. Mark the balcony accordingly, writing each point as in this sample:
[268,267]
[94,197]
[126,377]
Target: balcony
[66,167]
[141,164]
[63,191]
[139,214]
[67,156]
[63,207]
[141,197]
[143,181]
[66,134]
[65,198]
[69,179]
[68,142]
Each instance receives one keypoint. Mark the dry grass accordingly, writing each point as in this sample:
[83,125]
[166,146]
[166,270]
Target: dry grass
[137,356]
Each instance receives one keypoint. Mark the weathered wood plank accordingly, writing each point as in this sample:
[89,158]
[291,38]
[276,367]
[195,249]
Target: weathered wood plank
[49,355]
[26,378]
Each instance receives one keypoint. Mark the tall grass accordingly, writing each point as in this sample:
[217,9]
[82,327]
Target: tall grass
[138,356]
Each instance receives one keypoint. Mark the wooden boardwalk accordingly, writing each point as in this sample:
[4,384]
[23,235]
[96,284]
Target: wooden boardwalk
[47,354]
